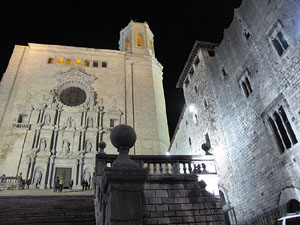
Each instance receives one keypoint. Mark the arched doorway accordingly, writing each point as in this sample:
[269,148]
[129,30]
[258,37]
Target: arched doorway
[293,206]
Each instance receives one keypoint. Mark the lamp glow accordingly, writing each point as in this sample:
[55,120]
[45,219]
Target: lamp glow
[192,108]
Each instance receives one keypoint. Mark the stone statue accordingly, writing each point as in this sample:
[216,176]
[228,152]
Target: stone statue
[89,146]
[90,122]
[43,144]
[38,177]
[66,148]
[47,119]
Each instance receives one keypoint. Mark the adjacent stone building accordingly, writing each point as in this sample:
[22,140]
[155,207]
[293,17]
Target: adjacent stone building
[59,102]
[243,105]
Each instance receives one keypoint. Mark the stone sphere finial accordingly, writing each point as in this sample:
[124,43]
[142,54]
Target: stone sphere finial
[102,146]
[123,136]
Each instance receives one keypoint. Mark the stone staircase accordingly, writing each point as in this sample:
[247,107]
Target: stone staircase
[64,209]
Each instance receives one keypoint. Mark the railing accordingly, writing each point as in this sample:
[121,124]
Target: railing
[164,165]
[11,183]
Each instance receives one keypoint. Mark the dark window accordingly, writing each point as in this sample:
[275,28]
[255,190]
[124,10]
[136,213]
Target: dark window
[192,72]
[196,90]
[104,64]
[211,53]
[282,129]
[95,63]
[246,87]
[73,96]
[280,43]
[224,73]
[247,34]
[197,60]
[190,141]
[186,82]
[51,60]
[112,122]
[22,118]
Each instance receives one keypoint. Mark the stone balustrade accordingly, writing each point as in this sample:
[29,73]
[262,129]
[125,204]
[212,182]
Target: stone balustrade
[164,164]
[11,183]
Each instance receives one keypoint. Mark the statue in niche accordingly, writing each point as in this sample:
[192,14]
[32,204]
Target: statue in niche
[47,119]
[100,104]
[43,145]
[69,123]
[114,105]
[88,146]
[38,177]
[87,176]
[65,148]
[90,122]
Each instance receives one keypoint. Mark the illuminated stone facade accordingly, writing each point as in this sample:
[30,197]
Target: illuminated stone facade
[246,97]
[58,103]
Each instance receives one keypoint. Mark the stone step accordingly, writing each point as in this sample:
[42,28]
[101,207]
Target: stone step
[47,210]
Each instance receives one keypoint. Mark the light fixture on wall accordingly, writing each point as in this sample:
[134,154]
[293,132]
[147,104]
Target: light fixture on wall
[192,108]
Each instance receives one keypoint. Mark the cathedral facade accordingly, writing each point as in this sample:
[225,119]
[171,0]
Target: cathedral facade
[59,102]
[243,106]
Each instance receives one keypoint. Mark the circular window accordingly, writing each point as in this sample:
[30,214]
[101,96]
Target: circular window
[73,96]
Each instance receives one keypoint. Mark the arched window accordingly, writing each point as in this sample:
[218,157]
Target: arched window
[139,40]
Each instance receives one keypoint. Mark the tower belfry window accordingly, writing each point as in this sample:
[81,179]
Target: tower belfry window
[127,43]
[139,40]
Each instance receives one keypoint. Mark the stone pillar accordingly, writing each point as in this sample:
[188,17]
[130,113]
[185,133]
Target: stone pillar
[122,184]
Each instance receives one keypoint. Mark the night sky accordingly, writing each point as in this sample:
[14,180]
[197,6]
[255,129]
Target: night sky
[176,25]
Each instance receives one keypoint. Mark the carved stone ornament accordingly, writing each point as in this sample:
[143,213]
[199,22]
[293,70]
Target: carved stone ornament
[77,78]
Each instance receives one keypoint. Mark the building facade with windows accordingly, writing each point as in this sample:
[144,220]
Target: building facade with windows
[243,106]
[59,102]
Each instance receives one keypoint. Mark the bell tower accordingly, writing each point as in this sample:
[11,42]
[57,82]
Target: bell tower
[137,38]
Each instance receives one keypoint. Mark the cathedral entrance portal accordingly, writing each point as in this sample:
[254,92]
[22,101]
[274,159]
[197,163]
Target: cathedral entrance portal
[66,173]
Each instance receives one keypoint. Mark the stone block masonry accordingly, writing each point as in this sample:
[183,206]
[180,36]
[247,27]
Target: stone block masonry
[179,202]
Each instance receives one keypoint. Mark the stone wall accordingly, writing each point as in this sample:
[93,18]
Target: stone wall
[179,201]
[253,170]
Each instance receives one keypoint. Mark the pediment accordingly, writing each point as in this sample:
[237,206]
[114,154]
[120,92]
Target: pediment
[77,74]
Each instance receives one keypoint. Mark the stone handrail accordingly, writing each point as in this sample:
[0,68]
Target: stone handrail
[164,164]
[11,183]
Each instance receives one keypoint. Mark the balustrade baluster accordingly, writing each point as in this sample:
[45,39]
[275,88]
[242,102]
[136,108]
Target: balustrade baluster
[175,168]
[154,168]
[167,167]
[161,168]
[190,167]
[184,168]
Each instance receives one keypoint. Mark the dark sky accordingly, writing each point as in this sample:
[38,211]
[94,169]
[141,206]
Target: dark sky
[176,26]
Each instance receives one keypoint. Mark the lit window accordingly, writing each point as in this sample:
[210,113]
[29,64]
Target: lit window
[59,60]
[68,62]
[127,43]
[86,63]
[77,62]
[139,40]
[50,60]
